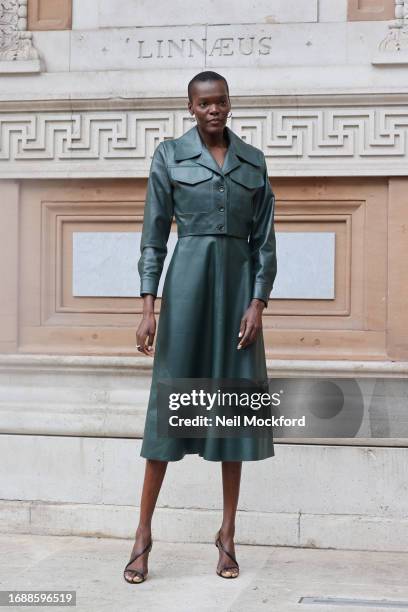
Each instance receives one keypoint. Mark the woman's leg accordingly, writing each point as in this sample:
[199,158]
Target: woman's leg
[231,480]
[153,479]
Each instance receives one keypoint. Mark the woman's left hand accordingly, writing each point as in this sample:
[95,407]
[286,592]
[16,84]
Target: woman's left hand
[251,323]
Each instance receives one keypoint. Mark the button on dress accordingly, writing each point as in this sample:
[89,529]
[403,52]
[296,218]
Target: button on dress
[225,255]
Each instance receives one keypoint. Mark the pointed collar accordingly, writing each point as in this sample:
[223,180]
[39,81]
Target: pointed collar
[190,145]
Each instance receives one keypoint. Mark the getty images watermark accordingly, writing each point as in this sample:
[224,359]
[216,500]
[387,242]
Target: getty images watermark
[253,400]
[307,408]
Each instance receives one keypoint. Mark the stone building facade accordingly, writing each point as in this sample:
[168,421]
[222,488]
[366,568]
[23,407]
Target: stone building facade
[88,88]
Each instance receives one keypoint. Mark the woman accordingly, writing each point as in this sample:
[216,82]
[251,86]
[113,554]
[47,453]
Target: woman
[218,283]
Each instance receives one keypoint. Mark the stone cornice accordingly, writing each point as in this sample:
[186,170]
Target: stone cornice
[276,367]
[374,98]
[106,396]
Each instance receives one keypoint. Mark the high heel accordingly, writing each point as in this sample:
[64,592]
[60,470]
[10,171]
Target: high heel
[228,568]
[137,573]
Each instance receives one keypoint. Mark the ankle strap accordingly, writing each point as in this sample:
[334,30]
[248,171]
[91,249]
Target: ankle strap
[226,551]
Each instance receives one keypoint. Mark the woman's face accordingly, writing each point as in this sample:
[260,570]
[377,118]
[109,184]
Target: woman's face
[210,104]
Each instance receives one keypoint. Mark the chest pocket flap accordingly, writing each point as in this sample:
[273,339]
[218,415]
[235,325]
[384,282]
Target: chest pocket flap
[190,174]
[248,177]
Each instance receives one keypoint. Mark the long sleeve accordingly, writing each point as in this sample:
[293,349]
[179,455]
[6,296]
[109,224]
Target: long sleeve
[262,242]
[157,219]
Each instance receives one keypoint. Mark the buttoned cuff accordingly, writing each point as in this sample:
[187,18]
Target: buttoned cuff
[149,285]
[261,292]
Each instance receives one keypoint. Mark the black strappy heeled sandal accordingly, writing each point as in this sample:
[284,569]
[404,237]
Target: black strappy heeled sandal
[138,573]
[229,568]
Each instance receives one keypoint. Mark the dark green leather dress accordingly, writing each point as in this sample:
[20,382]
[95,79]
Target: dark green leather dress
[225,256]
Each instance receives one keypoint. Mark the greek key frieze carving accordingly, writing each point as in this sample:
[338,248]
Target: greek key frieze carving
[123,142]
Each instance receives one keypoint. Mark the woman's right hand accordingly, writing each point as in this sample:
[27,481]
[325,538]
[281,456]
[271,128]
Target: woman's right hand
[147,327]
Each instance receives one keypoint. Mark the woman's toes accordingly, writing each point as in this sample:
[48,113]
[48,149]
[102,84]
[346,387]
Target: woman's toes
[137,578]
[230,573]
[131,577]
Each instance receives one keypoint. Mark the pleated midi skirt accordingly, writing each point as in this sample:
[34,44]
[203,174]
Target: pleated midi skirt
[207,288]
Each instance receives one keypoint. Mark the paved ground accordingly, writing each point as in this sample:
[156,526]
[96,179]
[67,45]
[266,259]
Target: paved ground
[182,576]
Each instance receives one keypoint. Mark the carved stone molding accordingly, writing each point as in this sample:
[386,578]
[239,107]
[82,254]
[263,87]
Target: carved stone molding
[310,141]
[17,52]
[393,49]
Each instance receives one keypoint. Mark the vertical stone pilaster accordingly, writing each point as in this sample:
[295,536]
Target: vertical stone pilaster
[9,245]
[397,315]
